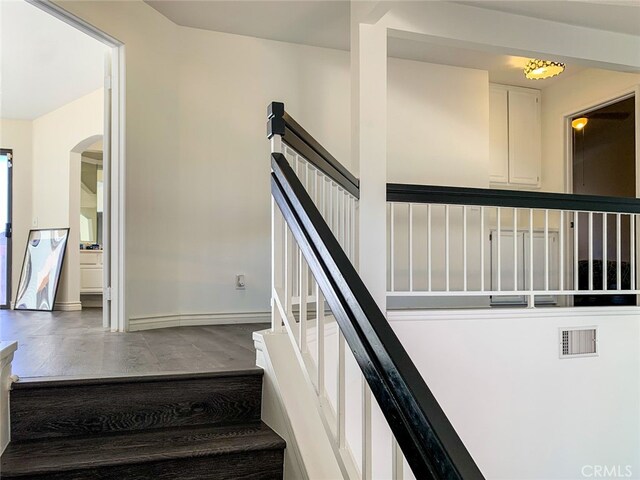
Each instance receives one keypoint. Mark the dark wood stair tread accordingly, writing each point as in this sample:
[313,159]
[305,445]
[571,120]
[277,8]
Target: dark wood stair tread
[62,408]
[26,383]
[36,457]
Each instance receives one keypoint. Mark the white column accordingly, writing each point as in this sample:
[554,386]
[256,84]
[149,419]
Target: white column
[369,146]
[369,150]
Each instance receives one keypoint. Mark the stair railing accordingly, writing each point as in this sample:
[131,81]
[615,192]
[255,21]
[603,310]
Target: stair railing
[510,246]
[317,287]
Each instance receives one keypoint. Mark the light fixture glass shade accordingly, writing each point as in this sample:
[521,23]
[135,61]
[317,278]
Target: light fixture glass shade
[541,69]
[579,123]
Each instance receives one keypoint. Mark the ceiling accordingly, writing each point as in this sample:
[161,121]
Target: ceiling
[504,69]
[309,22]
[612,15]
[44,63]
[326,24]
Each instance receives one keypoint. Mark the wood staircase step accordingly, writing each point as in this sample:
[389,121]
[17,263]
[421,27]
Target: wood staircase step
[251,451]
[61,408]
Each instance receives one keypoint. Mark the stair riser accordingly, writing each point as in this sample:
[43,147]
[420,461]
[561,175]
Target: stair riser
[76,409]
[255,465]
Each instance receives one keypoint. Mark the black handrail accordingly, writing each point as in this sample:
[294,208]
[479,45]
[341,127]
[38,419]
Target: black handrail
[397,192]
[429,442]
[281,123]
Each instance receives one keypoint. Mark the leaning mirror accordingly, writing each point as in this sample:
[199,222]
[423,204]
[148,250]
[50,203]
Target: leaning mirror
[41,269]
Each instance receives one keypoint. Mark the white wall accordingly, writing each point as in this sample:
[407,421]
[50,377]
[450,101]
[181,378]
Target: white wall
[585,89]
[54,136]
[226,83]
[17,135]
[521,411]
[438,124]
[152,156]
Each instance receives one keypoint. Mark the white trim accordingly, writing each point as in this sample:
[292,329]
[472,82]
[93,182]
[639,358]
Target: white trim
[67,306]
[276,413]
[568,313]
[7,349]
[117,310]
[197,319]
[288,408]
[69,18]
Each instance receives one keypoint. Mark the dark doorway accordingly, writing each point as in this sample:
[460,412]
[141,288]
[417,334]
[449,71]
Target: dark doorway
[604,163]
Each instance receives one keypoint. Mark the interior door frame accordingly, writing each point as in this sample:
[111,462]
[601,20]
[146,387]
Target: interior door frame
[9,153]
[114,306]
[568,131]
[632,91]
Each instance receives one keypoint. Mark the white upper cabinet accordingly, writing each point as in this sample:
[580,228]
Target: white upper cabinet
[498,135]
[515,136]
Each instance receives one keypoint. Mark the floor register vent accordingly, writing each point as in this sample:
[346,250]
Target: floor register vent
[578,342]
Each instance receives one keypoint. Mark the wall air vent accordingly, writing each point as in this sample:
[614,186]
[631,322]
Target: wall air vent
[578,342]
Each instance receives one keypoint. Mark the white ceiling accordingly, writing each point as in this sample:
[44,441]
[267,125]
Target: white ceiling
[323,23]
[326,24]
[504,69]
[44,63]
[622,16]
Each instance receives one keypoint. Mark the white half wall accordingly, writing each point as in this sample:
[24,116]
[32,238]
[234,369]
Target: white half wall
[521,410]
[17,136]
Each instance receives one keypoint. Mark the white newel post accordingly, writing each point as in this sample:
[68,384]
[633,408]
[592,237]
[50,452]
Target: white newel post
[369,147]
[6,357]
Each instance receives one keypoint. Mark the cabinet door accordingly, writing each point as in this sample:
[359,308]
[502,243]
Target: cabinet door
[498,136]
[524,137]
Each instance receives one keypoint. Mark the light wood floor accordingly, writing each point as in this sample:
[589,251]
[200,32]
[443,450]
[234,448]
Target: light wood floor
[74,344]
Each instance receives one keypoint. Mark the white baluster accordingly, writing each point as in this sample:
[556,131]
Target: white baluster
[546,250]
[482,248]
[515,249]
[446,246]
[618,253]
[429,269]
[411,247]
[605,267]
[392,247]
[464,248]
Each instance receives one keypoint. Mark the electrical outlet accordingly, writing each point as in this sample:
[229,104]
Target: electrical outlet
[240,285]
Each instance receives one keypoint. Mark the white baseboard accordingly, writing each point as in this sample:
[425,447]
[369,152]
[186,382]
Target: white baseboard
[197,319]
[67,306]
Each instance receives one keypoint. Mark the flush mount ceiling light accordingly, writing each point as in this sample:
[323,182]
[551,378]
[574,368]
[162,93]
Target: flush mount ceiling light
[579,123]
[541,69]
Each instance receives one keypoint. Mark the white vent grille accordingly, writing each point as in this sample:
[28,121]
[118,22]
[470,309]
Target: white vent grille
[578,342]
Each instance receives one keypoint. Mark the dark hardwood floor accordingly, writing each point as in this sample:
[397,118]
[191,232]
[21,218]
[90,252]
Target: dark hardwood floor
[74,344]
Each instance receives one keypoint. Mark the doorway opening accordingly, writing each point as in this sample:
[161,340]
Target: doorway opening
[603,162]
[113,170]
[6,162]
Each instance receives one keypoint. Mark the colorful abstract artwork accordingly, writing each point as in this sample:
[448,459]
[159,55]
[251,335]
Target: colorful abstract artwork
[41,269]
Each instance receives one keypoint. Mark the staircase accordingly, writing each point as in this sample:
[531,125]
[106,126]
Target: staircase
[191,426]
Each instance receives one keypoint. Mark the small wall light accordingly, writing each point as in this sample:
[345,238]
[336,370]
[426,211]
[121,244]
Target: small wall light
[579,123]
[541,69]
